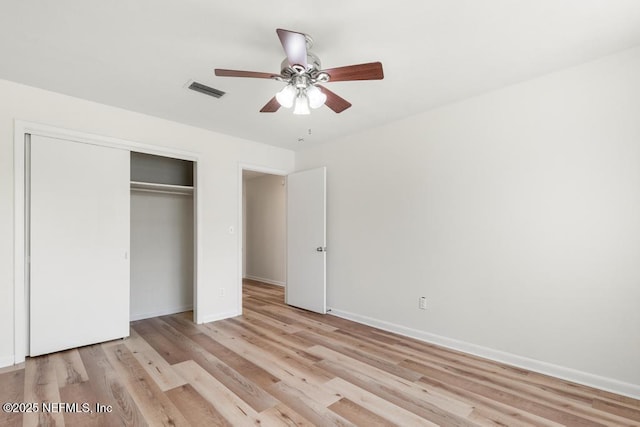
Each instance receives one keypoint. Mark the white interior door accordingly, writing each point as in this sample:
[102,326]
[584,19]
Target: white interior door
[306,240]
[79,243]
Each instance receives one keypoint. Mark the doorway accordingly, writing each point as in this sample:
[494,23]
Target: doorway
[302,254]
[162,235]
[263,227]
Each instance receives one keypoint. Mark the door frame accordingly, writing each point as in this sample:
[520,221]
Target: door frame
[255,168]
[22,128]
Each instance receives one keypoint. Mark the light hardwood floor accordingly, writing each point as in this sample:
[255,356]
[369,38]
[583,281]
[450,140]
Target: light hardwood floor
[277,365]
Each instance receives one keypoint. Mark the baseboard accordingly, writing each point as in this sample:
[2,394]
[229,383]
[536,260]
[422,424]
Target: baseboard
[6,361]
[263,280]
[163,312]
[580,377]
[218,316]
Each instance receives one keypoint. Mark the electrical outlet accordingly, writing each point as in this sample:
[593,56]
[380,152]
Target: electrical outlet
[422,303]
[221,292]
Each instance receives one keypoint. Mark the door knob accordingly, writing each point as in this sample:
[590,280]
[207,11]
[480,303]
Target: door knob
[321,249]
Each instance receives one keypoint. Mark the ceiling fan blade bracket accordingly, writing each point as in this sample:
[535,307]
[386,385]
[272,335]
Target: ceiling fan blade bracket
[321,77]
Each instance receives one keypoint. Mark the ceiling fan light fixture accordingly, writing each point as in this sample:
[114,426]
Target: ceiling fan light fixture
[286,96]
[316,97]
[302,104]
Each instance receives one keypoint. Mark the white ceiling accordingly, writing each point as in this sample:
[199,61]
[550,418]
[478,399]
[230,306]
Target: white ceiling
[139,54]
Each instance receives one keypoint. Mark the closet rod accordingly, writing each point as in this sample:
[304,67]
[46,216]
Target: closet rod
[174,192]
[161,188]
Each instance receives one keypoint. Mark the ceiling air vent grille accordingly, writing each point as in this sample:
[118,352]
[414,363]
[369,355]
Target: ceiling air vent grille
[199,87]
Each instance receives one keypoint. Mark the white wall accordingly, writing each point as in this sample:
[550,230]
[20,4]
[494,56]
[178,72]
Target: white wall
[220,156]
[517,215]
[265,229]
[162,260]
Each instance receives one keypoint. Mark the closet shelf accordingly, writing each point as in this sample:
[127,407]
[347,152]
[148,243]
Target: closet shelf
[162,188]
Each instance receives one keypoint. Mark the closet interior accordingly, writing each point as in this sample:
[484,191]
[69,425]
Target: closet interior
[162,235]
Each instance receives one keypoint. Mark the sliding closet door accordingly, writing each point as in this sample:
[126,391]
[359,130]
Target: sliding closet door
[79,243]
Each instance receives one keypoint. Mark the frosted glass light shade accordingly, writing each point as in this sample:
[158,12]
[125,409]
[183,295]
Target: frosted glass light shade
[316,97]
[286,96]
[302,105]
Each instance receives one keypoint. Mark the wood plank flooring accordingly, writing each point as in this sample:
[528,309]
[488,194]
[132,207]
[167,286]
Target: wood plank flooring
[280,366]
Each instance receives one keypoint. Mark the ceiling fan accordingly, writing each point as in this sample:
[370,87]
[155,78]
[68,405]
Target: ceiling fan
[302,72]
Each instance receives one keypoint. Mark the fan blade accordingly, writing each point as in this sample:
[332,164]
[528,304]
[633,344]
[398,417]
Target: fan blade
[237,73]
[271,107]
[335,102]
[295,46]
[368,71]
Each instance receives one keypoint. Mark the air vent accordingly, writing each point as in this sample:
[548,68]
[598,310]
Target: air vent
[199,87]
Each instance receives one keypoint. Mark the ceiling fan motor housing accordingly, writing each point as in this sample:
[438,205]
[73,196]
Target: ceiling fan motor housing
[313,64]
